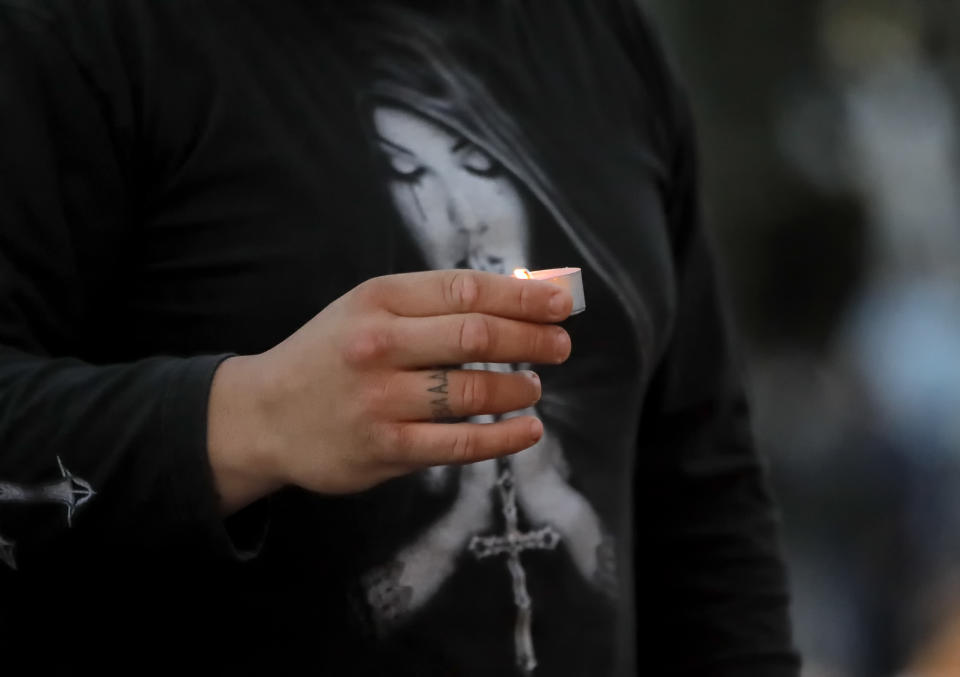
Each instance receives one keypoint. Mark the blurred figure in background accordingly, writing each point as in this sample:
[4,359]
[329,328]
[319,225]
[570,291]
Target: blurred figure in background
[830,135]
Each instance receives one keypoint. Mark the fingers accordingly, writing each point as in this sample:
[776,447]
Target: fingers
[416,445]
[457,339]
[446,292]
[453,393]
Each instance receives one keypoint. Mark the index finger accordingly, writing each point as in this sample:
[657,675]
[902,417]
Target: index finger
[454,292]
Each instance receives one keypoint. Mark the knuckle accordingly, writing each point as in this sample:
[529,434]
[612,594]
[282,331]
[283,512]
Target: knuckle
[396,441]
[541,342]
[367,345]
[474,393]
[374,441]
[375,398]
[372,290]
[462,290]
[380,442]
[476,336]
[463,448]
[525,299]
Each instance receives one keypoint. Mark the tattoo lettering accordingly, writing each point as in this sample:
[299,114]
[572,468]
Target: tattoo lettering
[440,406]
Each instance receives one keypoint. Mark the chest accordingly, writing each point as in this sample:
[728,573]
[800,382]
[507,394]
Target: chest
[262,196]
[257,202]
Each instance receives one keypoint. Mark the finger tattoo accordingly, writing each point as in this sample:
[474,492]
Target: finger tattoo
[440,404]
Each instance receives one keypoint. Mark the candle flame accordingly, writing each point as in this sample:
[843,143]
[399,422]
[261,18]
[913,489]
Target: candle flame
[522,274]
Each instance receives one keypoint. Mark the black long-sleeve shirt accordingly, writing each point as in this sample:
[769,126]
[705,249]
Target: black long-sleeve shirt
[185,180]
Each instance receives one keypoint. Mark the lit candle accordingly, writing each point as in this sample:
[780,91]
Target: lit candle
[568,278]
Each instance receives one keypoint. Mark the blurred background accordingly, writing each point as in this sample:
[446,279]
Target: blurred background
[831,168]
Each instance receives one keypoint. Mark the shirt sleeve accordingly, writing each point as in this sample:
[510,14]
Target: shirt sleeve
[711,585]
[92,455]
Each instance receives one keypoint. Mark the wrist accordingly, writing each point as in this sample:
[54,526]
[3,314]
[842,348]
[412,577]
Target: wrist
[243,460]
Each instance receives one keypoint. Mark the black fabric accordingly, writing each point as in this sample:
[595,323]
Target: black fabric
[185,180]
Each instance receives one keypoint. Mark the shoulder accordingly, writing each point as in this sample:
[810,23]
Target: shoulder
[643,43]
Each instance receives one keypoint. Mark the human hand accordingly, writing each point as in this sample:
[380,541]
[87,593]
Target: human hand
[354,397]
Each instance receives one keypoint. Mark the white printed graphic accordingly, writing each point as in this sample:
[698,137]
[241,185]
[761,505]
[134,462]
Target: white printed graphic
[511,544]
[70,491]
[465,210]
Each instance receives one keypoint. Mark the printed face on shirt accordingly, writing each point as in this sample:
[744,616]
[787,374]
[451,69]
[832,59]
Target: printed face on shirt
[461,205]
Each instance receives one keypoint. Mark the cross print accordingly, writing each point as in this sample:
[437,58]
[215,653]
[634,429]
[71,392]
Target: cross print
[534,482]
[512,543]
[71,491]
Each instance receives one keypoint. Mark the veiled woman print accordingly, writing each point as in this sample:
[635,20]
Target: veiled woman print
[469,197]
[459,203]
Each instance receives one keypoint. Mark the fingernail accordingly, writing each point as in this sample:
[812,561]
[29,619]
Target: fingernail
[532,375]
[557,303]
[536,428]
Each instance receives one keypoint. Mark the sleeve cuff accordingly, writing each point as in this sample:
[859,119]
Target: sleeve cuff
[193,499]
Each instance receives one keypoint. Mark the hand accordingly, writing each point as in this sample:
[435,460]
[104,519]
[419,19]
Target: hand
[354,397]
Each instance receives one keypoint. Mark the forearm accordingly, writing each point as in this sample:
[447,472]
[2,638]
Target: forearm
[135,434]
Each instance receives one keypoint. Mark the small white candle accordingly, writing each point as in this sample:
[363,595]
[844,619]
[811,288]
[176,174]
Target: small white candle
[568,278]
